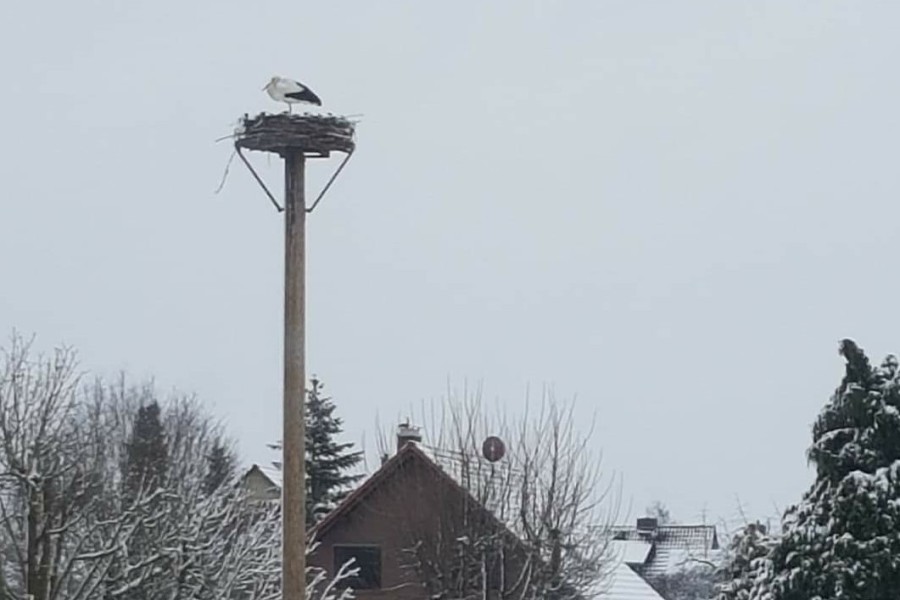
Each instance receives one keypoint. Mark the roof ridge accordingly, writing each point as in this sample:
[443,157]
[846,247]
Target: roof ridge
[366,487]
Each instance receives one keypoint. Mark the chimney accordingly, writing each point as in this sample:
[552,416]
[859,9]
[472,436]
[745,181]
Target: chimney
[407,433]
[647,526]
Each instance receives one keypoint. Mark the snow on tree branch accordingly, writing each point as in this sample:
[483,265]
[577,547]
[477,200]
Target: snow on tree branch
[108,491]
[843,539]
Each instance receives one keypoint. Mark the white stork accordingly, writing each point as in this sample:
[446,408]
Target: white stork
[282,89]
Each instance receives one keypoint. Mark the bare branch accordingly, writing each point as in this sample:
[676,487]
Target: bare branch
[535,523]
[69,530]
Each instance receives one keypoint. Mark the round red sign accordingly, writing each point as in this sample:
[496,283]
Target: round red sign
[493,448]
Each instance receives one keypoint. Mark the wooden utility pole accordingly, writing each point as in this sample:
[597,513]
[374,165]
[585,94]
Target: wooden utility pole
[293,505]
[295,138]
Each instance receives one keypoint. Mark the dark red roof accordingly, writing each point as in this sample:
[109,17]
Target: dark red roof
[409,452]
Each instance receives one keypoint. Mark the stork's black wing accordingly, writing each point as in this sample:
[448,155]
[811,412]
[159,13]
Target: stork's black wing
[305,95]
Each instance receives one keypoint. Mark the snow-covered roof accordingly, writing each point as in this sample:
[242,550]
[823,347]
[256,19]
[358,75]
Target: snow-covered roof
[632,552]
[274,475]
[674,547]
[625,584]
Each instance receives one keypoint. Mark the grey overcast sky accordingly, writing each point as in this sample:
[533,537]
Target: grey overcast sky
[671,210]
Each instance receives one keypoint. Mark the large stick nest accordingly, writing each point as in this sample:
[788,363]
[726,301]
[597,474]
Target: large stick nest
[286,133]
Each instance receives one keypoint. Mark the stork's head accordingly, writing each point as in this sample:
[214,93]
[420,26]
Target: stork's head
[272,82]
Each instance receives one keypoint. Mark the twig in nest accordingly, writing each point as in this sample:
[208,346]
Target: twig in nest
[283,134]
[225,174]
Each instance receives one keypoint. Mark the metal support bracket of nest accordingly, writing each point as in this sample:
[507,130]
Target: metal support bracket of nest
[314,136]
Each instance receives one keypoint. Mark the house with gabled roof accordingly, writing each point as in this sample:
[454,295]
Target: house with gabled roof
[408,503]
[262,483]
[653,550]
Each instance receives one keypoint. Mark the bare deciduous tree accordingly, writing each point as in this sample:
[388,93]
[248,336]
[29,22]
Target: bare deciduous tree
[537,523]
[59,534]
[68,529]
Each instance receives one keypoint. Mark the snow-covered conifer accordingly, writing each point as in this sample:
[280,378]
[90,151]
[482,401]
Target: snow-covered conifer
[745,561]
[843,539]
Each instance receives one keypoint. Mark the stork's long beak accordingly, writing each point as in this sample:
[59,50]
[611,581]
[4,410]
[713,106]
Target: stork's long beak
[264,87]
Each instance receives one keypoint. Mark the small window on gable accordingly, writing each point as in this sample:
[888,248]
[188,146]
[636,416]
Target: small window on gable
[365,558]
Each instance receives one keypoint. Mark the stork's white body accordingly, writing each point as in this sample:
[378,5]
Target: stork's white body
[289,91]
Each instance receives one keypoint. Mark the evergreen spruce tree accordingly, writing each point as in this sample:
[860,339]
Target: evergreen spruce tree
[220,465]
[327,461]
[843,539]
[146,453]
[745,562]
[146,465]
